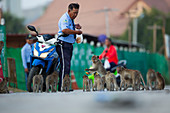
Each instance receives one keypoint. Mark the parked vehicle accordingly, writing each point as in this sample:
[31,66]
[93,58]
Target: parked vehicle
[44,59]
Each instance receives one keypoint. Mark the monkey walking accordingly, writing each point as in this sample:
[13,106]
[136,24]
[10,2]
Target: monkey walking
[86,83]
[138,81]
[160,81]
[110,80]
[52,80]
[129,76]
[98,67]
[98,83]
[66,83]
[37,82]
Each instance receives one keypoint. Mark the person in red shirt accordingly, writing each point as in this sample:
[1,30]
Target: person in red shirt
[110,54]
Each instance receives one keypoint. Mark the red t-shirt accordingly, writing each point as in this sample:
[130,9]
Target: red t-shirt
[111,53]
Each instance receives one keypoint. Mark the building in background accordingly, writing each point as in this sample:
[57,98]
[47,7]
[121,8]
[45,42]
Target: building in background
[93,22]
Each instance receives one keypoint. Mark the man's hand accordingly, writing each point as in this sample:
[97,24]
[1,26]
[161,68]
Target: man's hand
[79,32]
[78,26]
[26,70]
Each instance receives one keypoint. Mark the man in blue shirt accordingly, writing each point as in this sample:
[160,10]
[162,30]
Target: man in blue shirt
[67,37]
[25,54]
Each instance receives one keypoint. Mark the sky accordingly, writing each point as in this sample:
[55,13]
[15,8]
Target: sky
[26,4]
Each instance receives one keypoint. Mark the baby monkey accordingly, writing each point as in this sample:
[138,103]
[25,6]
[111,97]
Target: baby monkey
[38,83]
[160,81]
[86,83]
[52,80]
[151,79]
[98,82]
[66,83]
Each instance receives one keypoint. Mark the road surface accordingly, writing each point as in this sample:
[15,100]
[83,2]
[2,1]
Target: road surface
[87,102]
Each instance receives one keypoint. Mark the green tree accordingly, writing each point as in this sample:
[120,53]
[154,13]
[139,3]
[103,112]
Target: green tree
[14,24]
[145,36]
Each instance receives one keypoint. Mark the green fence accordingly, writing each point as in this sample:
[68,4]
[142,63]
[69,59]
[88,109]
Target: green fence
[3,52]
[135,60]
[82,59]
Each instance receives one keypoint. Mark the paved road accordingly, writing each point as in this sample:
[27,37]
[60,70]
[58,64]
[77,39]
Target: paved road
[87,102]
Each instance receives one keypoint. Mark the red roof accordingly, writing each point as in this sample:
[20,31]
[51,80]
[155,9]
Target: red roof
[93,23]
[162,5]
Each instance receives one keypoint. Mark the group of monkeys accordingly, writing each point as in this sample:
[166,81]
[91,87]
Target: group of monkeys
[128,77]
[51,81]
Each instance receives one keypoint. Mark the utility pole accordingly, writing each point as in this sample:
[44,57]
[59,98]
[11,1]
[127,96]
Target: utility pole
[129,36]
[154,28]
[106,10]
[135,29]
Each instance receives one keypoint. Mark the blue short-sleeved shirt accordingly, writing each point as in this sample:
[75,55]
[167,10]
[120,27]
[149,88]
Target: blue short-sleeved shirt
[25,54]
[66,22]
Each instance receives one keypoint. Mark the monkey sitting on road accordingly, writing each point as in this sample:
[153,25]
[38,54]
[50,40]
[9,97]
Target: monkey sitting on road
[98,83]
[86,83]
[151,78]
[110,81]
[156,78]
[52,80]
[3,86]
[66,83]
[160,81]
[37,82]
[129,76]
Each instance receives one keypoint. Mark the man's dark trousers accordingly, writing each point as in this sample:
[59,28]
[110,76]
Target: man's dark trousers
[65,53]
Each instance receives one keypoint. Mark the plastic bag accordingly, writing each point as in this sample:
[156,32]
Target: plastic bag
[79,38]
[106,64]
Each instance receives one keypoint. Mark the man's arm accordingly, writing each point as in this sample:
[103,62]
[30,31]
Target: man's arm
[103,54]
[65,27]
[24,61]
[69,31]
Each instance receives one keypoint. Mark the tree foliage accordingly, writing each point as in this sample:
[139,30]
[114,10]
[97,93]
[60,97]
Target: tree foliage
[145,35]
[14,24]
